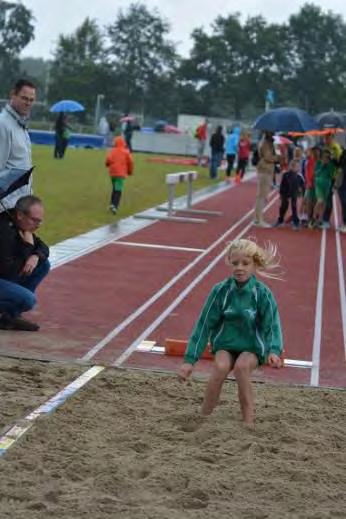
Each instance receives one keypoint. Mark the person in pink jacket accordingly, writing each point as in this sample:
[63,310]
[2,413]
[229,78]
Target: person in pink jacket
[120,165]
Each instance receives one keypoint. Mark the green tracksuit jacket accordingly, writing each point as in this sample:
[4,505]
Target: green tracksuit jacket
[237,318]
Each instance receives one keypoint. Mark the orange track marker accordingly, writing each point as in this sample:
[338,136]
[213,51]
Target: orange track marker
[177,347]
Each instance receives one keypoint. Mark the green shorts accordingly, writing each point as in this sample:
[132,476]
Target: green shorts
[322,190]
[118,183]
[310,194]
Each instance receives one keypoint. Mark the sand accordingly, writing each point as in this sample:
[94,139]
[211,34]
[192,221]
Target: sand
[130,445]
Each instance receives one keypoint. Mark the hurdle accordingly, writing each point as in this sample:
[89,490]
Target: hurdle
[172,179]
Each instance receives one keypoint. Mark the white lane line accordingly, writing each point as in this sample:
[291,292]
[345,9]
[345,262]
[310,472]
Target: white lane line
[341,275]
[155,246]
[113,333]
[316,347]
[13,434]
[123,357]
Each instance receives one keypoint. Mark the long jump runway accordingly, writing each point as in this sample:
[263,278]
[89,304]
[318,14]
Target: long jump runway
[150,285]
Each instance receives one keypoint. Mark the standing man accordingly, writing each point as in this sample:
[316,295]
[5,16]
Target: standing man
[15,145]
[201,136]
[265,171]
[23,262]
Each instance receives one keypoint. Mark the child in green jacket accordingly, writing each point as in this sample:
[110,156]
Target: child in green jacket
[240,319]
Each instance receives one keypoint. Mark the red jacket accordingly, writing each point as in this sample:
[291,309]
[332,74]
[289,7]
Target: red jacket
[310,172]
[244,148]
[119,161]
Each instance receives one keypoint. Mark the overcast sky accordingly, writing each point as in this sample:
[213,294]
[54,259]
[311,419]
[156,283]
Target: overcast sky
[64,16]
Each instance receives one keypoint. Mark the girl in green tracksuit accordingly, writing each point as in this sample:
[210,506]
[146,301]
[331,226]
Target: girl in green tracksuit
[240,320]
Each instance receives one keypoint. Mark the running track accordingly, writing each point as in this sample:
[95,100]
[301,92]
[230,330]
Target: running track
[151,284]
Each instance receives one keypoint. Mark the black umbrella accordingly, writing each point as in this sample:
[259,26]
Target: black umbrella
[285,119]
[331,120]
[13,179]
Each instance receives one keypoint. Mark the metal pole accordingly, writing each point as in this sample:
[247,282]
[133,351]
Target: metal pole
[99,98]
[171,188]
[189,192]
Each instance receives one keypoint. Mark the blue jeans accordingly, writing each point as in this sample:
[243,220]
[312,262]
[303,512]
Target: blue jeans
[18,296]
[215,162]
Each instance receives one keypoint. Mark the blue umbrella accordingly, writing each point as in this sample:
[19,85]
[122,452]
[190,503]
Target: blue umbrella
[286,120]
[67,105]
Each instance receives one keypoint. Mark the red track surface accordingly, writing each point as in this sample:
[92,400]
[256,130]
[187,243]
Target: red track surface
[82,301]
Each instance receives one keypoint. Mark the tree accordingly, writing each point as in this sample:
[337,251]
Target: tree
[78,70]
[318,50]
[140,54]
[234,66]
[16,31]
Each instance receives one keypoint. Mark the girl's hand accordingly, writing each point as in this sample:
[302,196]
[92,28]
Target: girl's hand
[185,371]
[274,361]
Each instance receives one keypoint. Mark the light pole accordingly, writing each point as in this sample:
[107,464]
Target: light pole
[99,99]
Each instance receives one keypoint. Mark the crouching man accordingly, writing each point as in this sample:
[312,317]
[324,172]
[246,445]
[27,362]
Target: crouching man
[23,262]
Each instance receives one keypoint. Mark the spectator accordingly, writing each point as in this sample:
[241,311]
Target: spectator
[127,131]
[335,150]
[244,149]
[340,184]
[23,262]
[201,136]
[217,142]
[265,171]
[309,201]
[15,146]
[104,130]
[232,141]
[324,175]
[290,187]
[62,135]
[120,164]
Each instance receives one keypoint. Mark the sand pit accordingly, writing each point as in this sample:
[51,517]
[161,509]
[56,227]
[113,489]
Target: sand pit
[129,445]
[25,385]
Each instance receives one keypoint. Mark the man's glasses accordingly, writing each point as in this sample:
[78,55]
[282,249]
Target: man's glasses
[36,221]
[27,99]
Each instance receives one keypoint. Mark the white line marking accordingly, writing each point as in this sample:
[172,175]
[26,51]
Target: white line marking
[21,427]
[316,348]
[152,347]
[113,333]
[155,246]
[177,301]
[341,276]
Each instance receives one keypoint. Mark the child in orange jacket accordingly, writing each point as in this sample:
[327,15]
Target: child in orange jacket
[120,164]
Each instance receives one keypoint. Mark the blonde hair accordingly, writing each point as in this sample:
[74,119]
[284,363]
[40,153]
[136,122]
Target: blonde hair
[266,258]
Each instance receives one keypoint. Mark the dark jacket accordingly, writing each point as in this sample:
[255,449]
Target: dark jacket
[217,143]
[291,185]
[13,250]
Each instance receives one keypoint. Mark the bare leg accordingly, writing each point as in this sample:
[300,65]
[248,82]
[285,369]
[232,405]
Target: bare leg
[244,365]
[319,209]
[223,364]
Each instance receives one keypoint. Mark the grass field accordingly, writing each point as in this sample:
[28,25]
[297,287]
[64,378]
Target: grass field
[76,190]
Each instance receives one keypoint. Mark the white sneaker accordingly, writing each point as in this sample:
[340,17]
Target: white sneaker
[263,224]
[342,228]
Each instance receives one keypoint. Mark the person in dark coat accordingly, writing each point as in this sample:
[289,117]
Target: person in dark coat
[290,188]
[62,133]
[23,262]
[217,145]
